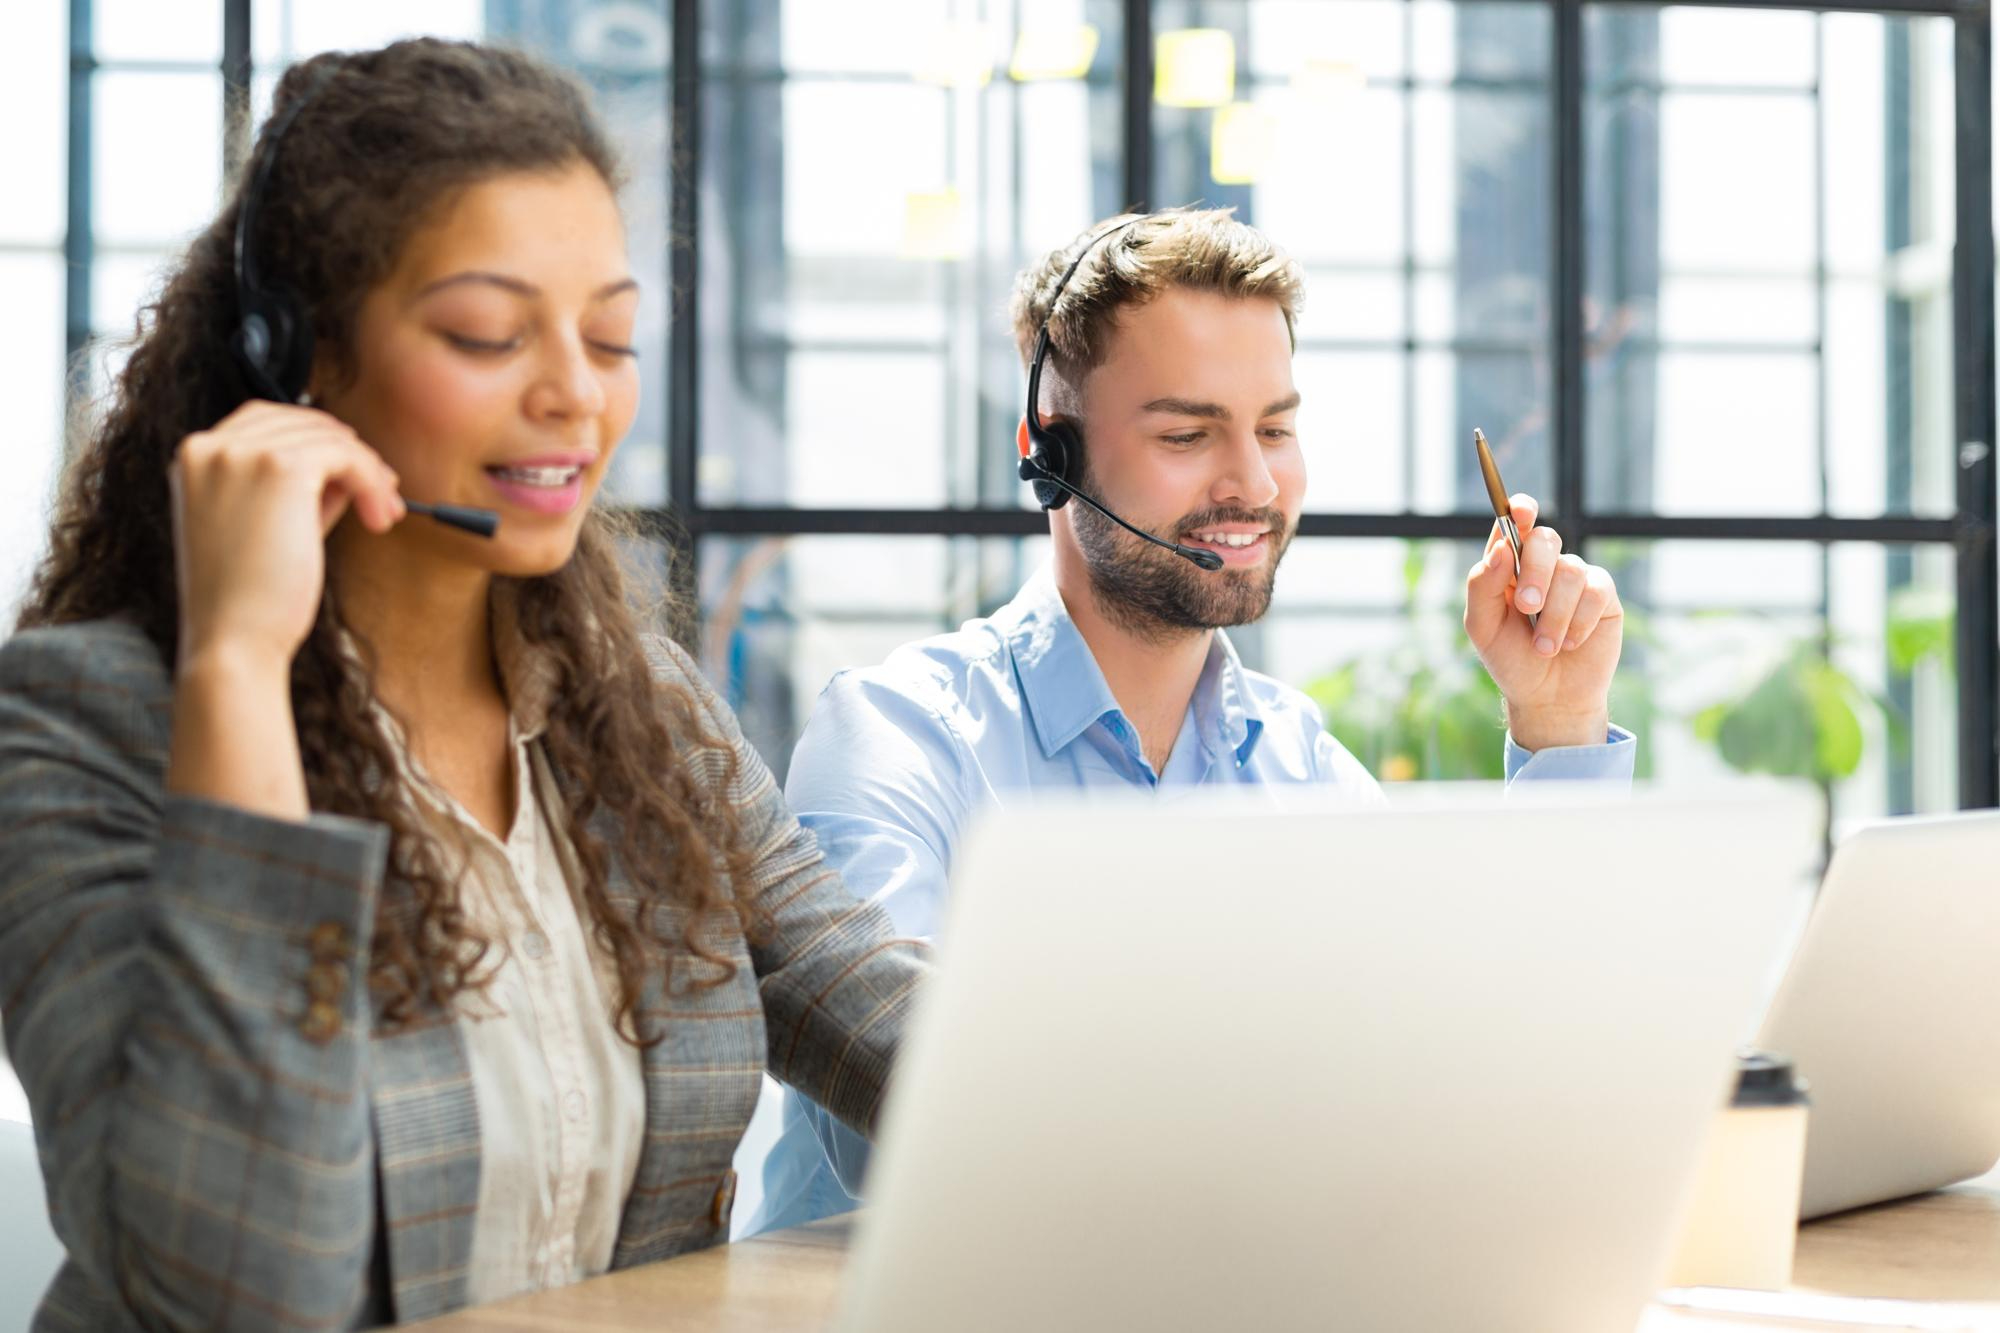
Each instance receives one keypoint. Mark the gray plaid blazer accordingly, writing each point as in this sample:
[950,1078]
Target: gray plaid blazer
[227,1138]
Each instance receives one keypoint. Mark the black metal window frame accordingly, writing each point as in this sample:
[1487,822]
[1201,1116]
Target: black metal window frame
[1969,532]
[685,521]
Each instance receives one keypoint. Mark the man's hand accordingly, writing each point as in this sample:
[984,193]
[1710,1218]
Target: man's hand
[1555,675]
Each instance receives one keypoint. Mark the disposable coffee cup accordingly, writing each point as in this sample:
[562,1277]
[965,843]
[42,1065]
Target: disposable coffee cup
[1745,1221]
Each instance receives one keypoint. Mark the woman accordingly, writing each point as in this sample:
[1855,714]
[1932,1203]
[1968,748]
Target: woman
[384,925]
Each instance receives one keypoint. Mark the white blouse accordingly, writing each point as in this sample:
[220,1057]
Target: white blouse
[560,1095]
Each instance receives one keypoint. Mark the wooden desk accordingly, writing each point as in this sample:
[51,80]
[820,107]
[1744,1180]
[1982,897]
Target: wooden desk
[1943,1246]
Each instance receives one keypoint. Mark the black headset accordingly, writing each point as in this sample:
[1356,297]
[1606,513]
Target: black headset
[1049,452]
[273,341]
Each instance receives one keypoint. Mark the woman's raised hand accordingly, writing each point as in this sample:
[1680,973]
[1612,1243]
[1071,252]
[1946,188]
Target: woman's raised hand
[253,500]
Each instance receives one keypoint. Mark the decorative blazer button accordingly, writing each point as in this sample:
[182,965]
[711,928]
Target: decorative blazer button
[329,940]
[725,1199]
[326,982]
[321,1023]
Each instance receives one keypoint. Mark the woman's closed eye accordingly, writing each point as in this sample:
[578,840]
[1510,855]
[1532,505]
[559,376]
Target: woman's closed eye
[499,347]
[487,346]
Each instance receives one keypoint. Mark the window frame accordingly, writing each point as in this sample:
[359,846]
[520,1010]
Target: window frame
[684,521]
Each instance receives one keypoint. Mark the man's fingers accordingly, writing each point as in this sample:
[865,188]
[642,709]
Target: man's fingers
[1539,551]
[1486,594]
[1527,511]
[1600,599]
[1566,590]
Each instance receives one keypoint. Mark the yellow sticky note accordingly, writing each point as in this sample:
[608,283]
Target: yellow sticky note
[933,225]
[1194,67]
[1053,51]
[957,55]
[1241,143]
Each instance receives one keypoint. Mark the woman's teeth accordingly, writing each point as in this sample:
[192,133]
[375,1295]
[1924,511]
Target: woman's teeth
[1227,538]
[552,477]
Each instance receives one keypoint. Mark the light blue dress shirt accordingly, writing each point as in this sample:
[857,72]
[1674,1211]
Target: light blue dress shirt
[897,758]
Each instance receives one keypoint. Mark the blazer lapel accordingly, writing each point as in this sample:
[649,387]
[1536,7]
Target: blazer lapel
[702,1080]
[427,1147]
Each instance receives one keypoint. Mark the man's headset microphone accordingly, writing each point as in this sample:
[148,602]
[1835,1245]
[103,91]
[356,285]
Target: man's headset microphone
[1049,452]
[273,341]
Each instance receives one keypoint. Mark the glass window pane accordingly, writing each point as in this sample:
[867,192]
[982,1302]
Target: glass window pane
[781,615]
[31,383]
[1287,36]
[1751,48]
[282,31]
[865,208]
[34,63]
[898,36]
[1768,326]
[121,284]
[156,155]
[1829,663]
[1352,425]
[156,30]
[1407,170]
[1736,434]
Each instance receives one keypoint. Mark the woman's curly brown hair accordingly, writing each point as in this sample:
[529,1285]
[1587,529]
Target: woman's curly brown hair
[386,139]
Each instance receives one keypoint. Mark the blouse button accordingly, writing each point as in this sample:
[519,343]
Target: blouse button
[573,1105]
[535,945]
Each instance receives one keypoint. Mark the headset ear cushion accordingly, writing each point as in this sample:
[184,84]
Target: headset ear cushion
[1060,448]
[291,342]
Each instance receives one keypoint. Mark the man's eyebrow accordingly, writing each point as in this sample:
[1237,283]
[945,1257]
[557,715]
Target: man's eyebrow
[523,288]
[1188,407]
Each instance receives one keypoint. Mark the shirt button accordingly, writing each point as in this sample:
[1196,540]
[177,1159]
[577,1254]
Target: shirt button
[574,1105]
[535,945]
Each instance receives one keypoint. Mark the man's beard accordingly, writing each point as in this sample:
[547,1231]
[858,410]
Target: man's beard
[1157,594]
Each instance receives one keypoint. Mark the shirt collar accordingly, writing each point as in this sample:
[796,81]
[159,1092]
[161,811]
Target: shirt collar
[1061,683]
[1226,714]
[1065,690]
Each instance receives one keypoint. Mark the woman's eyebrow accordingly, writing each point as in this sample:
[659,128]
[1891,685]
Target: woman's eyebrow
[522,287]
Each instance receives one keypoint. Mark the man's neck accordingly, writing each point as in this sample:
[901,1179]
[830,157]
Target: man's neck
[1152,672]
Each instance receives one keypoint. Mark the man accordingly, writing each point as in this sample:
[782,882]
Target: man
[1169,360]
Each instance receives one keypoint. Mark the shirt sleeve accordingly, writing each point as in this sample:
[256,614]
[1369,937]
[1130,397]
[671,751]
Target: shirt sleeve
[836,980]
[1612,761]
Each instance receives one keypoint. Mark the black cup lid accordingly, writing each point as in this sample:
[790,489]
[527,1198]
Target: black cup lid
[1765,1078]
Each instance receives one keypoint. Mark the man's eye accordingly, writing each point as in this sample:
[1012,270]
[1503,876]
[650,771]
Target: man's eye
[1192,437]
[484,345]
[1279,432]
[615,349]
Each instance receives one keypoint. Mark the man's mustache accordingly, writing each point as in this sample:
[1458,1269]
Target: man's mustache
[1271,519]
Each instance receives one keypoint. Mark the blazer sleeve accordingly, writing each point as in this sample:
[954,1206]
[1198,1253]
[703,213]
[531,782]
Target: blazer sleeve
[185,1000]
[837,983]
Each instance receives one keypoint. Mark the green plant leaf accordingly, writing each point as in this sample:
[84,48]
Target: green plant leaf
[1836,729]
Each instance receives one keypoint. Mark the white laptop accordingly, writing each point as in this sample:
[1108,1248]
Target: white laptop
[1197,1068]
[1891,1011]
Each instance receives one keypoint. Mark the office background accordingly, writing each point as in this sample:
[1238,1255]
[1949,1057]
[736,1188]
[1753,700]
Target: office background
[1694,269]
